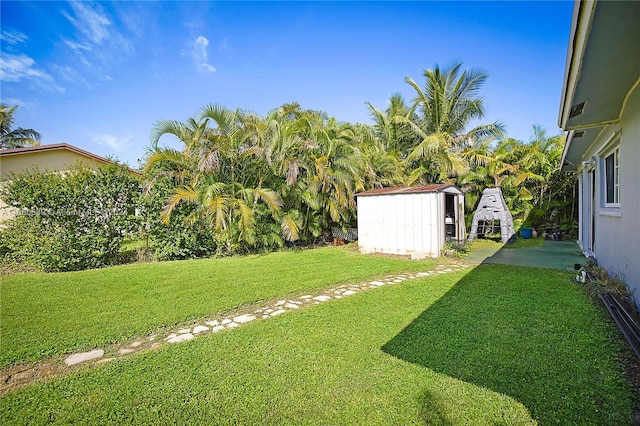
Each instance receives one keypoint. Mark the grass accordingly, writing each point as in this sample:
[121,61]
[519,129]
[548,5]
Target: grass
[478,347]
[525,243]
[486,243]
[44,315]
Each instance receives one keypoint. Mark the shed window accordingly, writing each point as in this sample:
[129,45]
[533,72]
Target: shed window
[612,178]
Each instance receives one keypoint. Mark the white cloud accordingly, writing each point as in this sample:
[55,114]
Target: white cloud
[92,23]
[117,143]
[78,47]
[15,68]
[70,75]
[99,44]
[201,56]
[13,37]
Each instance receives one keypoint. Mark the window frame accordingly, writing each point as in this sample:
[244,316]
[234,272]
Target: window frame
[608,175]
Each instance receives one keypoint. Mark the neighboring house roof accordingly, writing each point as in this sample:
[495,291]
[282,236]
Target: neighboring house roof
[53,147]
[63,152]
[410,190]
[603,66]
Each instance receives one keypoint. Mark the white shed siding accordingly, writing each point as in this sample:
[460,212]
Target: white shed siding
[401,223]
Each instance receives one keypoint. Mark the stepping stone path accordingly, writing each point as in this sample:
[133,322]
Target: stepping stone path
[18,376]
[84,357]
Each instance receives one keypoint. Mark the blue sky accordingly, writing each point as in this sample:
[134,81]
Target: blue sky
[99,75]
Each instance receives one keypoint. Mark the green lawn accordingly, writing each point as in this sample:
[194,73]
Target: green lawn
[484,243]
[44,315]
[494,345]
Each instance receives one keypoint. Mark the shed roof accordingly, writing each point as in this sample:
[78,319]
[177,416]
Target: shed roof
[410,190]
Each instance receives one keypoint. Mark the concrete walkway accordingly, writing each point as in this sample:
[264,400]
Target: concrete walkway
[552,254]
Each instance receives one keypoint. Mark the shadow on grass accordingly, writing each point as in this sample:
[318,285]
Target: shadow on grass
[527,333]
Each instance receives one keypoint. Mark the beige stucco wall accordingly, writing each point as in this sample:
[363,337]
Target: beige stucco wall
[54,160]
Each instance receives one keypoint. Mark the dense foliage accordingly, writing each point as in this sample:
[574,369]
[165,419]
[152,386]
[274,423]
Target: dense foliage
[255,183]
[243,183]
[70,221]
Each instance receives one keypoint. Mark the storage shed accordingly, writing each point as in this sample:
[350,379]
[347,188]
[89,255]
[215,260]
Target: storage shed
[414,221]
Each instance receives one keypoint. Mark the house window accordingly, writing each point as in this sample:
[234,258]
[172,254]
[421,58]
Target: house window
[612,178]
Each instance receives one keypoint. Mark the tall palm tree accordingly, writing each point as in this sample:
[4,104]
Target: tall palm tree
[445,106]
[15,138]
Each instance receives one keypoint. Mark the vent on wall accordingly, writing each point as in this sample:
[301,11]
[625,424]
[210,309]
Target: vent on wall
[578,134]
[576,110]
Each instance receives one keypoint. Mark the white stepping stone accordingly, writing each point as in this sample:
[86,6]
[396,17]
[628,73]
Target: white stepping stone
[135,344]
[376,283]
[125,351]
[278,312]
[213,323]
[200,329]
[322,298]
[348,293]
[306,296]
[233,325]
[217,328]
[225,321]
[243,319]
[184,331]
[265,316]
[171,336]
[423,274]
[291,306]
[280,302]
[84,357]
[181,338]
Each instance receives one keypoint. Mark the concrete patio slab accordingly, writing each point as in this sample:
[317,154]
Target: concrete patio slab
[552,254]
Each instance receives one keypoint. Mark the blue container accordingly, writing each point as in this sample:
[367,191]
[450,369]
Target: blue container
[526,233]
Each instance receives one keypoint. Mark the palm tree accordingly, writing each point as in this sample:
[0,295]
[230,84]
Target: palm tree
[15,138]
[380,167]
[215,173]
[542,157]
[444,108]
[395,135]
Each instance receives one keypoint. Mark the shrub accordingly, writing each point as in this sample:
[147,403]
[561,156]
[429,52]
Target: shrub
[456,249]
[70,221]
[180,238]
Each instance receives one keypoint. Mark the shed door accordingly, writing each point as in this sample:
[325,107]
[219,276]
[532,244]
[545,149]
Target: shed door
[450,217]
